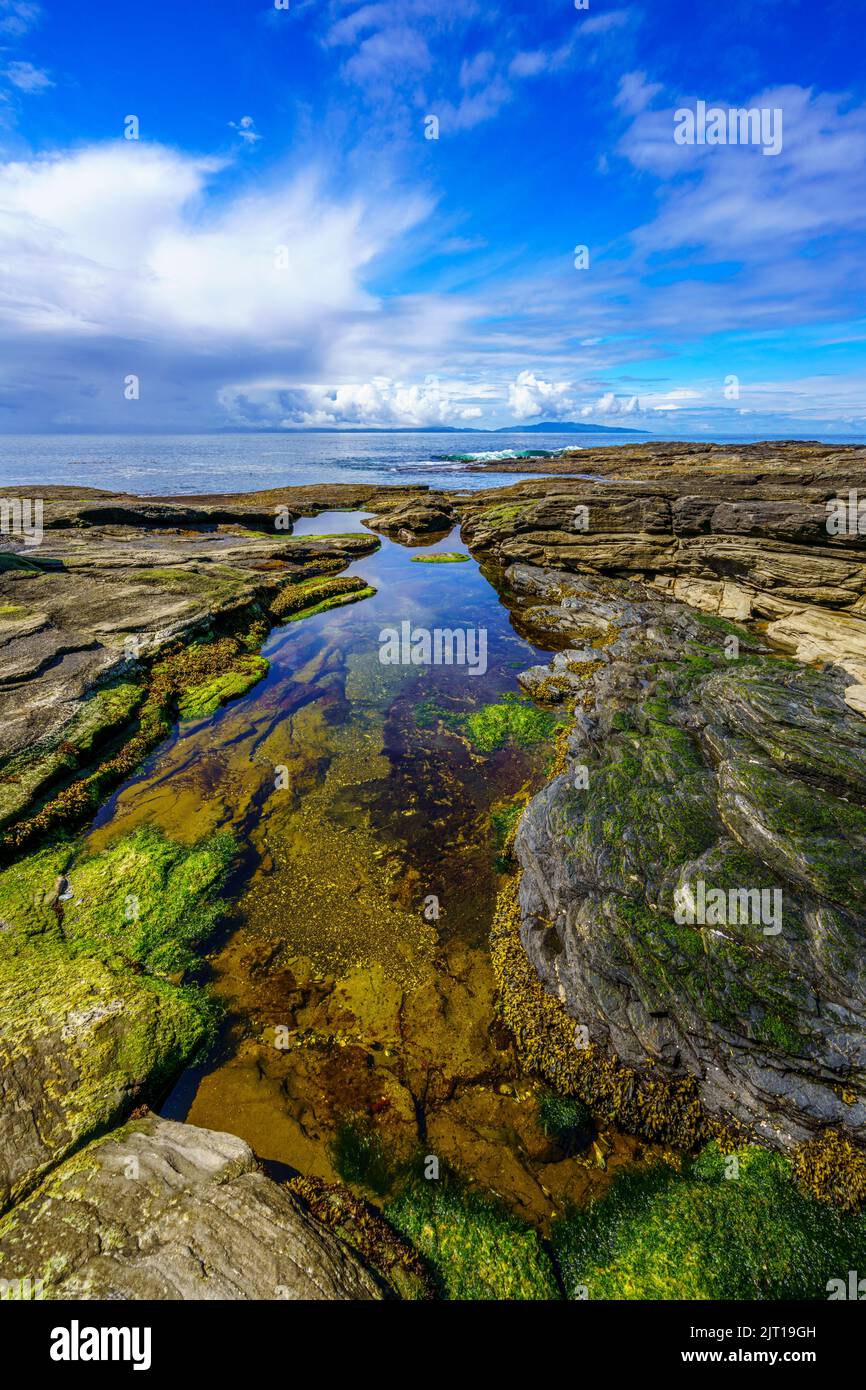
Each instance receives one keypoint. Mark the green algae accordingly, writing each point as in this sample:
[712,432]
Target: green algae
[102,714]
[511,720]
[298,597]
[722,980]
[566,1120]
[475,1247]
[727,1227]
[649,803]
[809,835]
[334,601]
[82,1042]
[94,1012]
[95,1015]
[502,514]
[360,1159]
[722,625]
[143,901]
[189,668]
[452,557]
[200,701]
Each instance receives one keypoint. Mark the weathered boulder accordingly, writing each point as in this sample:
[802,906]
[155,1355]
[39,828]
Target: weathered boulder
[160,1210]
[92,1018]
[408,520]
[700,765]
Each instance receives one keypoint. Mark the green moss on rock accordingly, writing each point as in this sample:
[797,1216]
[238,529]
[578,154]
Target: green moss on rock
[93,1016]
[451,557]
[727,1227]
[511,720]
[303,598]
[200,701]
[477,1249]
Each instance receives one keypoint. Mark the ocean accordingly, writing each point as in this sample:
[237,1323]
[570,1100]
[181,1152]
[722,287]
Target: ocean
[158,464]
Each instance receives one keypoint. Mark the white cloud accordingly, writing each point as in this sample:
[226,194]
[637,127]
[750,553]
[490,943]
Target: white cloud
[474,107]
[611,404]
[113,238]
[730,199]
[113,260]
[603,23]
[246,130]
[532,62]
[378,403]
[27,78]
[634,93]
[530,396]
[677,398]
[474,71]
[17,16]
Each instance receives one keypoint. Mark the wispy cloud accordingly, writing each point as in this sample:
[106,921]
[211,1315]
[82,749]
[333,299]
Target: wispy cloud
[27,78]
[18,16]
[245,130]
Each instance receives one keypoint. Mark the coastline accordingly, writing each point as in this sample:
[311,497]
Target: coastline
[740,538]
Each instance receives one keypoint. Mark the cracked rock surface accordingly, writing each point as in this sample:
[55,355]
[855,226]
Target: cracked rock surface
[685,765]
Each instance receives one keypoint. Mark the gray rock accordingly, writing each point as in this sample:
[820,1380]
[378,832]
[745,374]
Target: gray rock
[161,1210]
[747,775]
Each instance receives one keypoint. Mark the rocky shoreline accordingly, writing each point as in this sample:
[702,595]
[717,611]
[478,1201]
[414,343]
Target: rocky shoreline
[711,666]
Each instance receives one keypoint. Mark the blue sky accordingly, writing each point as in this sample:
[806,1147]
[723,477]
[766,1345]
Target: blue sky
[283,245]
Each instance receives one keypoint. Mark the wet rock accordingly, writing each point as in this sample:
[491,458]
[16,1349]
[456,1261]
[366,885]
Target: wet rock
[112,585]
[746,776]
[730,542]
[90,1018]
[169,1211]
[565,676]
[428,517]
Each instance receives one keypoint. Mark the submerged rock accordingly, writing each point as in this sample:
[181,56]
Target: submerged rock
[115,585]
[169,1211]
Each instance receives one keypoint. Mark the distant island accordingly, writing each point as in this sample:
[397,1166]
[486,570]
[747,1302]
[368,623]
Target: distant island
[547,427]
[565,427]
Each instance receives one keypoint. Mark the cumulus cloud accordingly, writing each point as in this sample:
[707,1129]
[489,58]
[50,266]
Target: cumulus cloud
[378,403]
[112,257]
[529,396]
[113,238]
[611,404]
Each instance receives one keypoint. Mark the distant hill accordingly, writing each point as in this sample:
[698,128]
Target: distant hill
[565,427]
[548,427]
